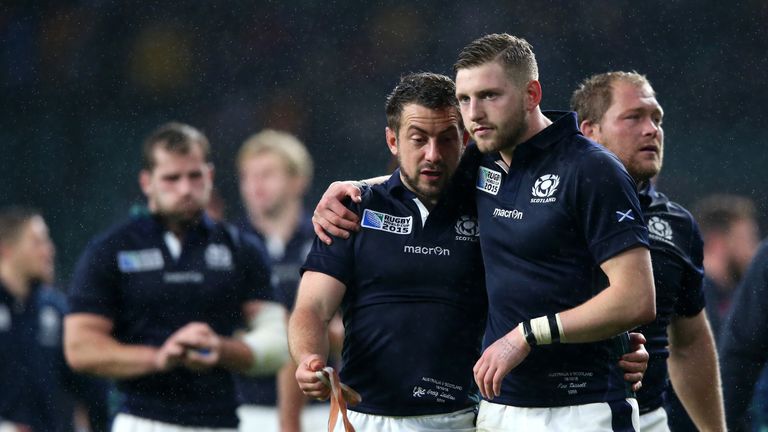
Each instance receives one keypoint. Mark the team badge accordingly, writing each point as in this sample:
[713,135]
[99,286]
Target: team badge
[5,318]
[140,260]
[544,188]
[488,180]
[218,256]
[385,222]
[660,228]
[467,226]
[50,327]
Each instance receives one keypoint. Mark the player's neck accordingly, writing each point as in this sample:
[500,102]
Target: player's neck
[281,223]
[17,284]
[536,123]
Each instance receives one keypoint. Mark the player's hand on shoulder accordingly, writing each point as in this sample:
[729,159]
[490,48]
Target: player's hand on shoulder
[635,362]
[331,216]
[309,382]
[498,360]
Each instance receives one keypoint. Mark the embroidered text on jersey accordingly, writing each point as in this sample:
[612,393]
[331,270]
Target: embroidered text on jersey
[544,188]
[140,260]
[488,180]
[509,214]
[385,222]
[424,250]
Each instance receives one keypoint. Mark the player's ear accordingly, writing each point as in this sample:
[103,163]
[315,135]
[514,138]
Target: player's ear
[391,141]
[590,130]
[532,94]
[145,179]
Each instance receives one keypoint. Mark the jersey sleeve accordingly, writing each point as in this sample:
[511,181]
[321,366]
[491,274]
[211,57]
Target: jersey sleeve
[691,300]
[608,207]
[94,287]
[257,275]
[337,259]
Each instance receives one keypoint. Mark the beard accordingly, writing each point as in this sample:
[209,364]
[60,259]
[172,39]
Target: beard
[427,192]
[508,135]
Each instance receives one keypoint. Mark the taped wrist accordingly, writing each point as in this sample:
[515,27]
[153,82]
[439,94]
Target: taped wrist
[268,340]
[543,330]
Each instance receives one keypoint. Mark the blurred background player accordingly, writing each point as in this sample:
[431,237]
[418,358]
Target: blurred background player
[729,226]
[275,170]
[38,391]
[744,333]
[619,110]
[156,299]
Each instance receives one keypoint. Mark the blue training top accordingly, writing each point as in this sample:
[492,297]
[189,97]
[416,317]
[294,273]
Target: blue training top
[564,206]
[129,276]
[414,307]
[677,257]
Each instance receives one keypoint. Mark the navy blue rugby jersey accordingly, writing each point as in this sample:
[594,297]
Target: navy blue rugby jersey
[286,273]
[415,303]
[677,256]
[564,206]
[38,388]
[129,276]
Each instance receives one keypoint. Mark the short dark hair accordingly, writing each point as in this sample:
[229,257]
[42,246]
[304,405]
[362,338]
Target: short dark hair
[513,53]
[174,137]
[595,94]
[12,221]
[718,212]
[431,90]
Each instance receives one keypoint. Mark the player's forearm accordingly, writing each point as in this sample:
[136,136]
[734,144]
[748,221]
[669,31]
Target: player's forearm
[103,356]
[694,373]
[235,355]
[290,399]
[307,334]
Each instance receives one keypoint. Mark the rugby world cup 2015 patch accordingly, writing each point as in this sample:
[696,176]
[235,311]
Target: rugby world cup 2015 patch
[140,260]
[385,222]
[488,180]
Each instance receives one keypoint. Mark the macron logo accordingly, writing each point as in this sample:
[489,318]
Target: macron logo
[423,250]
[509,214]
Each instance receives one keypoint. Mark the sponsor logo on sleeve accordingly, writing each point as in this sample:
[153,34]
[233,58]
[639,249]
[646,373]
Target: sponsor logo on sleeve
[467,229]
[140,260]
[544,187]
[488,180]
[386,222]
[659,229]
[218,257]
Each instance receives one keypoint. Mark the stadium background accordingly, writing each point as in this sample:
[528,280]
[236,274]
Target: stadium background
[82,82]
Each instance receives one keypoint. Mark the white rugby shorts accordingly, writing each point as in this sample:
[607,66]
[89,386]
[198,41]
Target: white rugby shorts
[457,421]
[617,416]
[130,423]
